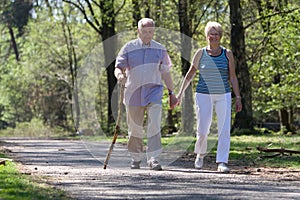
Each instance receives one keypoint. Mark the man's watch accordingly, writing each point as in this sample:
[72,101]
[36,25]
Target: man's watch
[171,93]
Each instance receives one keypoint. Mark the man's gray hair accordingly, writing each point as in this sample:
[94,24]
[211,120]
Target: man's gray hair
[142,22]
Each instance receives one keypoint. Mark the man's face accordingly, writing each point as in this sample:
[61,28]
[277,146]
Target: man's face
[146,33]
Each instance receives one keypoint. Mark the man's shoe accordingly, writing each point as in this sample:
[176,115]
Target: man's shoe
[222,167]
[135,164]
[199,162]
[154,165]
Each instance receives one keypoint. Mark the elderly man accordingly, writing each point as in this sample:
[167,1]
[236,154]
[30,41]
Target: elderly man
[141,65]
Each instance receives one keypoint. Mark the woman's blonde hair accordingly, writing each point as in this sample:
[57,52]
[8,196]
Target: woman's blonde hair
[213,25]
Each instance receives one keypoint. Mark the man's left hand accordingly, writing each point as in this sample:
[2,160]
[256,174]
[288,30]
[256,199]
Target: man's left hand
[173,101]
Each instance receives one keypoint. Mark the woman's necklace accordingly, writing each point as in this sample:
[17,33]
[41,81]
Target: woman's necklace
[214,51]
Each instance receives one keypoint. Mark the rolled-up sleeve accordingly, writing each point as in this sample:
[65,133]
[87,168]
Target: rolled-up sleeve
[122,59]
[166,61]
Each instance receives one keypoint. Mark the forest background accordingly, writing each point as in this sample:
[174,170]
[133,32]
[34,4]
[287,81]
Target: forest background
[57,60]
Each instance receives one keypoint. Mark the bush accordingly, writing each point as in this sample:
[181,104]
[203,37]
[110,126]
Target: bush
[34,128]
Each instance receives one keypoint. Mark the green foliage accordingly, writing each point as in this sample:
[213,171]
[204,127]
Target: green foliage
[276,73]
[15,13]
[56,40]
[17,186]
[14,93]
[40,85]
[34,128]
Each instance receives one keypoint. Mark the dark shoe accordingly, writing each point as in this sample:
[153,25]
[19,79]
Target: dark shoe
[135,164]
[154,165]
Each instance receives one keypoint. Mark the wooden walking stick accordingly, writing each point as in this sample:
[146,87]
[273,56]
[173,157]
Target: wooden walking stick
[117,127]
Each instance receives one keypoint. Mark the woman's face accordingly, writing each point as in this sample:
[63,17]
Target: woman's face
[213,36]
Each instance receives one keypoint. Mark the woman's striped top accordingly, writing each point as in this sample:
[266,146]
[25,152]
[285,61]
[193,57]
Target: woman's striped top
[213,73]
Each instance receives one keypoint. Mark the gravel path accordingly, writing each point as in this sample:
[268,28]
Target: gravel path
[75,167]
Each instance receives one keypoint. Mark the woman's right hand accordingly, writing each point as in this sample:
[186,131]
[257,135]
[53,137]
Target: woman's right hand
[122,79]
[179,100]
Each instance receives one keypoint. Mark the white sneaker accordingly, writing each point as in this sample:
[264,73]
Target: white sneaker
[222,167]
[154,165]
[199,162]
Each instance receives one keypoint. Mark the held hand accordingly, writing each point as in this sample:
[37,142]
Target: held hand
[173,101]
[238,105]
[179,100]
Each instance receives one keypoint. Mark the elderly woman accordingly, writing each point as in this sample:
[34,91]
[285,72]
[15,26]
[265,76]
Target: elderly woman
[216,71]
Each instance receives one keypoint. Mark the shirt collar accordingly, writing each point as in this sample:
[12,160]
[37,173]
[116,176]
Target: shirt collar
[143,45]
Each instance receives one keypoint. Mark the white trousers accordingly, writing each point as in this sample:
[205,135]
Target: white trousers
[205,105]
[135,121]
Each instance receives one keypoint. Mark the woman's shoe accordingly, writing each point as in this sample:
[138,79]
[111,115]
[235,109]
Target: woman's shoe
[222,167]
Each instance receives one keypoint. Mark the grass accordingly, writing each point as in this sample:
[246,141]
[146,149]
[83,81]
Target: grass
[34,129]
[14,185]
[243,149]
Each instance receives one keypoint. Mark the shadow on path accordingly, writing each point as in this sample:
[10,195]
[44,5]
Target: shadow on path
[77,167]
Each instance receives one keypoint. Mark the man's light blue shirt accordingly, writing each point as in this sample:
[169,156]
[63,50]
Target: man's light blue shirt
[144,65]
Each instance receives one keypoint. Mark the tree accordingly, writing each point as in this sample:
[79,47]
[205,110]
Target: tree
[15,14]
[42,49]
[276,73]
[53,48]
[190,15]
[189,21]
[185,28]
[105,27]
[14,18]
[73,67]
[243,119]
[136,13]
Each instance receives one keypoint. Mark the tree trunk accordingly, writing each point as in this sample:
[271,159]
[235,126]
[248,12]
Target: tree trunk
[187,105]
[136,13]
[243,119]
[14,43]
[108,30]
[147,9]
[284,116]
[73,67]
[285,125]
[158,12]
